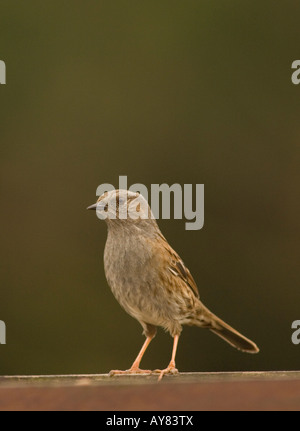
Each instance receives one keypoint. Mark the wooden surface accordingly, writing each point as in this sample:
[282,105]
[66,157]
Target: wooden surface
[271,391]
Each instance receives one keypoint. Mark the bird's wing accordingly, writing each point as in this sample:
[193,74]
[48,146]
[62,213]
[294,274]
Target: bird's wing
[176,266]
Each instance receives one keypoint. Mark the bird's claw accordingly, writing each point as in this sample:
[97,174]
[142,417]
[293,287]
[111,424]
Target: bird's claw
[169,370]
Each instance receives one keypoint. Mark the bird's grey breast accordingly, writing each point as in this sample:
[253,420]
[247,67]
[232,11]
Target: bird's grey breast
[125,259]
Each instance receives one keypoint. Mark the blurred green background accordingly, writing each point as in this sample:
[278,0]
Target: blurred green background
[160,91]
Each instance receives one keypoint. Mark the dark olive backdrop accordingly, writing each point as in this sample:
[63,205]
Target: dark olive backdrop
[161,91]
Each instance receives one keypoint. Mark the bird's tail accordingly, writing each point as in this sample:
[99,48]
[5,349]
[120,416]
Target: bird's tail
[217,326]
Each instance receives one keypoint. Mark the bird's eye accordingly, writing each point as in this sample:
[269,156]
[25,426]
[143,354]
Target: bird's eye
[106,208]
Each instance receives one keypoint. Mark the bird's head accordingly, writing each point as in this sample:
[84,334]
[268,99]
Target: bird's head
[122,206]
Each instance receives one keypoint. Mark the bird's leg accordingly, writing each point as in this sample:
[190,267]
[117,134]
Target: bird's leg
[136,365]
[171,368]
[135,368]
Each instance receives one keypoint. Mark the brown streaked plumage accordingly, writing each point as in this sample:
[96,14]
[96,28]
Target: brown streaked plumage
[149,279]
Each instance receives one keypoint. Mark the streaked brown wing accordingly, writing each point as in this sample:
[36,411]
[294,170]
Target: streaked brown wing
[178,268]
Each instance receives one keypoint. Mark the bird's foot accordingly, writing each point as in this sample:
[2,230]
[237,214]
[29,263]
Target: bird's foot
[171,369]
[131,371]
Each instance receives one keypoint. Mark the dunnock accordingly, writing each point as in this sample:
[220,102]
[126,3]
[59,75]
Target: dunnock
[149,279]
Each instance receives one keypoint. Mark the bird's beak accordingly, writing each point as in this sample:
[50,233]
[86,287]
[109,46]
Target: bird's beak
[92,207]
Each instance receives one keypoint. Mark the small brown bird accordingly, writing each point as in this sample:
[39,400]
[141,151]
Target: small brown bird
[149,279]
